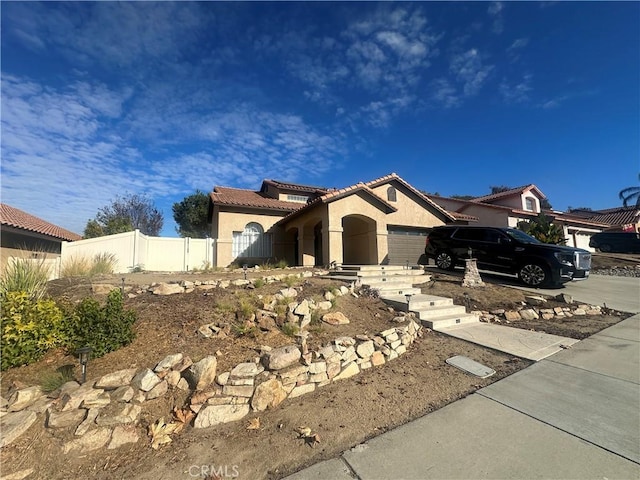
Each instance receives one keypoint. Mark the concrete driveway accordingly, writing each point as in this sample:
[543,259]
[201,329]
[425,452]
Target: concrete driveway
[619,293]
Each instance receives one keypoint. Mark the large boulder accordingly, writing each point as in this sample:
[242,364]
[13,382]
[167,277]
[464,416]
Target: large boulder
[202,374]
[268,394]
[15,424]
[281,357]
[217,414]
[114,380]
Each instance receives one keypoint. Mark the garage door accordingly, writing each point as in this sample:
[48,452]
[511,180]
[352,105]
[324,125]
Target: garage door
[406,244]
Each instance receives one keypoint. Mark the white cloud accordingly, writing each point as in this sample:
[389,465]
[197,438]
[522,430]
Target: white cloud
[468,68]
[495,10]
[444,93]
[77,147]
[518,92]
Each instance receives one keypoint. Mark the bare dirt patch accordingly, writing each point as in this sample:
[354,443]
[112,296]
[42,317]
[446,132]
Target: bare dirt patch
[343,413]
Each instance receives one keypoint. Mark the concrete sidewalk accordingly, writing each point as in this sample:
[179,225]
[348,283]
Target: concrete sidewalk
[575,414]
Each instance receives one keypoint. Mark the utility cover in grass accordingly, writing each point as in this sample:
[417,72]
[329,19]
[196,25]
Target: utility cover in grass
[470,366]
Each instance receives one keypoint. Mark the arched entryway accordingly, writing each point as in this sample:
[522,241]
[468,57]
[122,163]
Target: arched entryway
[359,242]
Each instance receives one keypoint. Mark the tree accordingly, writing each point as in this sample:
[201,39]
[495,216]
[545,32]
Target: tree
[499,189]
[191,215]
[544,203]
[542,229]
[627,195]
[125,214]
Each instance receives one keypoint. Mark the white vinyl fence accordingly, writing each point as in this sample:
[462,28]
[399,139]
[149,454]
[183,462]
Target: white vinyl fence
[134,250]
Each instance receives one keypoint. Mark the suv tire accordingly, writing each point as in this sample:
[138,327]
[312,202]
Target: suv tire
[445,261]
[534,274]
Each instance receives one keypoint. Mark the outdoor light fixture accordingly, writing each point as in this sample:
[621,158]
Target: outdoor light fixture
[83,356]
[122,288]
[467,301]
[407,264]
[408,297]
[470,252]
[244,269]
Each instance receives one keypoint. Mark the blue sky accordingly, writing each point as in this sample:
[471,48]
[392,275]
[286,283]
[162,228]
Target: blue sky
[105,99]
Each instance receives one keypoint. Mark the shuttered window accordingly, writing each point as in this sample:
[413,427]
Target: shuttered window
[252,242]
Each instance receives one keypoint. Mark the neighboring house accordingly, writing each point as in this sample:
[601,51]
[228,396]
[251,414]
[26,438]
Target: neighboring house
[508,208]
[625,219]
[24,234]
[384,221]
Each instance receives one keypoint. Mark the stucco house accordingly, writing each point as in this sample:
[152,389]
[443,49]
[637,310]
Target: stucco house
[24,234]
[508,208]
[383,221]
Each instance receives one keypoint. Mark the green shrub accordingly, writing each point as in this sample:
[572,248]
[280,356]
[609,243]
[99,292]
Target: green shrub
[103,264]
[75,266]
[282,264]
[22,274]
[29,328]
[290,329]
[259,282]
[83,266]
[104,328]
[51,381]
[291,280]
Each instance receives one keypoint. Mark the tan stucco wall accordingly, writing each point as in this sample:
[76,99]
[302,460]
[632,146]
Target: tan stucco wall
[410,213]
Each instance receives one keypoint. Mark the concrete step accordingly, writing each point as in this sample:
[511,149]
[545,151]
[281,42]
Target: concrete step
[380,268]
[431,313]
[391,290]
[450,320]
[418,301]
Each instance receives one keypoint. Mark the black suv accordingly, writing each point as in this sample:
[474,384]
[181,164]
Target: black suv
[622,242]
[507,250]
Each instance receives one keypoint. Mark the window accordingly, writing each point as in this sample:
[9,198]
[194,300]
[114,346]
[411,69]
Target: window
[297,198]
[251,242]
[391,194]
[530,204]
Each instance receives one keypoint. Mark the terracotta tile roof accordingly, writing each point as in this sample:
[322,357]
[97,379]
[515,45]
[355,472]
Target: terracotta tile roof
[617,216]
[463,216]
[508,193]
[14,217]
[396,177]
[295,186]
[249,198]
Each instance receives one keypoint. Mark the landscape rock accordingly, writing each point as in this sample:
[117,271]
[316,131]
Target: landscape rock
[529,314]
[14,424]
[202,374]
[348,371]
[535,300]
[302,308]
[377,358]
[335,318]
[325,305]
[89,421]
[268,394]
[123,434]
[168,362]
[282,357]
[216,414]
[127,413]
[365,349]
[145,380]
[157,391]
[564,297]
[114,380]
[73,399]
[329,296]
[21,399]
[97,402]
[92,440]
[512,315]
[302,389]
[289,293]
[70,418]
[168,289]
[246,370]
[102,288]
[172,378]
[122,394]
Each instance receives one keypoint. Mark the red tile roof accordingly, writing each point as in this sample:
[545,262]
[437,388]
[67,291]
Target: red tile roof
[617,216]
[249,198]
[508,193]
[14,217]
[294,186]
